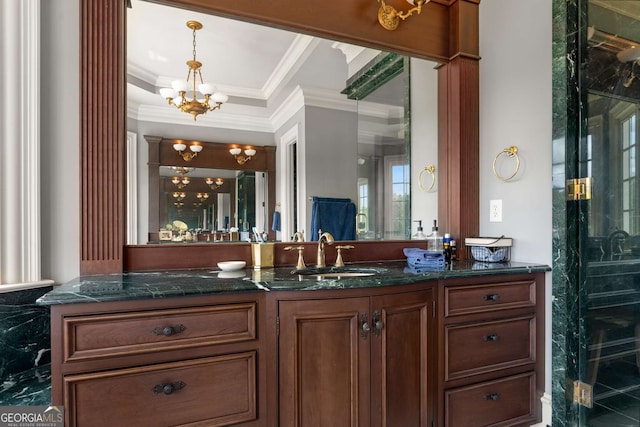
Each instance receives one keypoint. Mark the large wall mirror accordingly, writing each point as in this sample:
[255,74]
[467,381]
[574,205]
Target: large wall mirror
[339,120]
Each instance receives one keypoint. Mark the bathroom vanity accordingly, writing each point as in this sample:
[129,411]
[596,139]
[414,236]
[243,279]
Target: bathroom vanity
[366,345]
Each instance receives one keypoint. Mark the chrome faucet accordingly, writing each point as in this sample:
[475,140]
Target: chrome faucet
[324,238]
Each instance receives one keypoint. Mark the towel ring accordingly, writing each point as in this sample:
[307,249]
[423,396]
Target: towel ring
[510,152]
[432,170]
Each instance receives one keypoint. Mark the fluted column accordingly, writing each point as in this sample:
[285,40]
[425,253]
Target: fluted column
[20,244]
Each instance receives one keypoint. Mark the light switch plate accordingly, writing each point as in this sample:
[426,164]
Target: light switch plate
[495,211]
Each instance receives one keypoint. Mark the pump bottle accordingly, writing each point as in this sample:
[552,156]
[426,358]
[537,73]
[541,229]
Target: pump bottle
[434,242]
[419,235]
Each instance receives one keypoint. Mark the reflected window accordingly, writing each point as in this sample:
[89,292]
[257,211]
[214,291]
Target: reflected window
[399,203]
[629,143]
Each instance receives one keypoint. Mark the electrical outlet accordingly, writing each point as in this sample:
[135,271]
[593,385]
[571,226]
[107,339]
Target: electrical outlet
[495,211]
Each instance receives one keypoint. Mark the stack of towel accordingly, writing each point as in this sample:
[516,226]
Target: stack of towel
[422,261]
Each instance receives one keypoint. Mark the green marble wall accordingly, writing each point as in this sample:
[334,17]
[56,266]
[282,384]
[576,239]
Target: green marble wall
[569,36]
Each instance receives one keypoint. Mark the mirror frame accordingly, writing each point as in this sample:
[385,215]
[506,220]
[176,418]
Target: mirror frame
[446,32]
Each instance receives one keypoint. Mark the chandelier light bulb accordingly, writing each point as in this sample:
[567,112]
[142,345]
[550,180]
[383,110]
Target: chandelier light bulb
[167,93]
[179,86]
[175,180]
[209,181]
[206,89]
[219,98]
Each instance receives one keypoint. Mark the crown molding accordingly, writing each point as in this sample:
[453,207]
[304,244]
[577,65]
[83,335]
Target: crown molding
[293,59]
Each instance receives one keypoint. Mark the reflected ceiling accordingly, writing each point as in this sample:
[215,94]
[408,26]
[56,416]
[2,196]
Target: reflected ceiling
[253,64]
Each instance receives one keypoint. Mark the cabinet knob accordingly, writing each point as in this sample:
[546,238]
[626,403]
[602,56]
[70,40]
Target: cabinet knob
[167,331]
[492,396]
[491,337]
[378,324]
[365,327]
[492,297]
[168,388]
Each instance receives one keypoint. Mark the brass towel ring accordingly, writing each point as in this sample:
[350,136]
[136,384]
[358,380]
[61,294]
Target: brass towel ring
[432,170]
[510,152]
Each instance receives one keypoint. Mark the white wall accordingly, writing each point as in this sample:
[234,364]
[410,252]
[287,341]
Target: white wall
[60,136]
[424,142]
[516,109]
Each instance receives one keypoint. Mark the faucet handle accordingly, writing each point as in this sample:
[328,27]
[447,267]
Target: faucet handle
[339,261]
[300,265]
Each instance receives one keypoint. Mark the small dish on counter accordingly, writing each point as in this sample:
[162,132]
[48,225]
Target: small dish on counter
[231,274]
[231,265]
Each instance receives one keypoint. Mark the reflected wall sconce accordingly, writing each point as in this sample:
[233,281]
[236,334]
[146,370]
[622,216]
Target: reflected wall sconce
[194,149]
[202,196]
[176,95]
[249,152]
[179,196]
[389,17]
[210,182]
[180,182]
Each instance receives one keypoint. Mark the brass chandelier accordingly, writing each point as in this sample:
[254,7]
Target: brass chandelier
[177,94]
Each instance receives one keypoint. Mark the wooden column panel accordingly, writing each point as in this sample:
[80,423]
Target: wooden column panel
[102,135]
[459,148]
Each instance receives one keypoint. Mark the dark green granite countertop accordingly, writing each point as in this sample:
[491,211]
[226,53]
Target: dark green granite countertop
[167,284]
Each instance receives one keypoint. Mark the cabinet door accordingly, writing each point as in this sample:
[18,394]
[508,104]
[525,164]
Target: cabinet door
[401,348]
[324,363]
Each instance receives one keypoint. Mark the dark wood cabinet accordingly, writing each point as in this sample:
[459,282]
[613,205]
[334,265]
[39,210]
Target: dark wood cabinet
[491,351]
[362,360]
[170,362]
[460,352]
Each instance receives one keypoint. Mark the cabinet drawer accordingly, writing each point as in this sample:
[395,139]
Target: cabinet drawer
[477,348]
[460,300]
[108,335]
[500,403]
[214,391]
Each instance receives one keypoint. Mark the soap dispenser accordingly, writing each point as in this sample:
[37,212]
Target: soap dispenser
[434,242]
[420,233]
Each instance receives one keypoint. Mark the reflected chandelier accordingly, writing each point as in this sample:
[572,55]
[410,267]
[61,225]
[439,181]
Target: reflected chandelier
[177,94]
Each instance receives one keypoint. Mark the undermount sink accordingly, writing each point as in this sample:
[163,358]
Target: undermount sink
[339,272]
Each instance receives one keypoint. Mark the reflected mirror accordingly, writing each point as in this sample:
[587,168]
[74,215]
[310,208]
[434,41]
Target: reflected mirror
[287,91]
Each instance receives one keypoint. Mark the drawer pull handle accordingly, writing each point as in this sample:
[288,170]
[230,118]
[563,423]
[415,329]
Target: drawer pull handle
[492,396]
[167,331]
[491,337]
[492,297]
[168,388]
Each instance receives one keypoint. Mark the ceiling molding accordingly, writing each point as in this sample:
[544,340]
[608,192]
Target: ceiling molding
[293,59]
[216,119]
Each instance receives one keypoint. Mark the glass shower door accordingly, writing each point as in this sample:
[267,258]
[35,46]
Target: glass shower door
[610,221]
